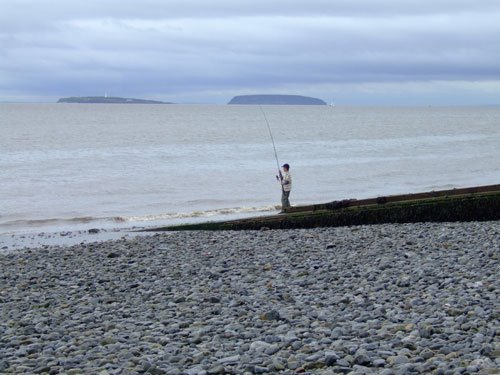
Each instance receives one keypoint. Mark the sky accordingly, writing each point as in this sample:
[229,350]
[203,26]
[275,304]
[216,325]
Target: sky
[351,52]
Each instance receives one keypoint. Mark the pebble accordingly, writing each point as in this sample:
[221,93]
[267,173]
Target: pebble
[386,299]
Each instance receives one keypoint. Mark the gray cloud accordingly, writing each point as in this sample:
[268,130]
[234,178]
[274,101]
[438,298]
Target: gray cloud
[208,51]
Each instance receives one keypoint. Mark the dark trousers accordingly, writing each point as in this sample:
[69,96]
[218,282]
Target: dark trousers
[284,200]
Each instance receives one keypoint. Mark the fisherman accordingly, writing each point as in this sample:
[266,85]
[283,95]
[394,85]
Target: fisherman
[285,179]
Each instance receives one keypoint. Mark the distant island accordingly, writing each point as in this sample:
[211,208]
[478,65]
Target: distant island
[276,100]
[107,100]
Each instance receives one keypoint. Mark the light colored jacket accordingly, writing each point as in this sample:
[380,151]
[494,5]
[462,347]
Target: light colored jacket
[286,181]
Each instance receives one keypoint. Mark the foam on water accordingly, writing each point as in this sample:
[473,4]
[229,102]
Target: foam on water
[152,219]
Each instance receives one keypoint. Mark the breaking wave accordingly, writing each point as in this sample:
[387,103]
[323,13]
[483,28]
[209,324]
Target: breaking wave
[197,214]
[139,218]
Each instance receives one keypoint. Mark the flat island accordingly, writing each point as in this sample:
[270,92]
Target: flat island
[276,100]
[107,100]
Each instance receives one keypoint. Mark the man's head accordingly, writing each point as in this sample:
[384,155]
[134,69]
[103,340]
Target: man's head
[285,167]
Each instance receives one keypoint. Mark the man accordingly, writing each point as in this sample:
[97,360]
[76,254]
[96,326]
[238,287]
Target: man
[286,186]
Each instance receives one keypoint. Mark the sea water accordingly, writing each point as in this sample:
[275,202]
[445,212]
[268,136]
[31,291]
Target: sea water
[73,166]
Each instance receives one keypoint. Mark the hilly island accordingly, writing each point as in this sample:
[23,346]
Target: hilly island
[276,100]
[107,100]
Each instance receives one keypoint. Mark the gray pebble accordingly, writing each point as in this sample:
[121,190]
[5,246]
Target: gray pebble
[390,299]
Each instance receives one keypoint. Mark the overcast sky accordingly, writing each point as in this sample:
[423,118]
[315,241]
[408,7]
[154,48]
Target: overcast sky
[412,52]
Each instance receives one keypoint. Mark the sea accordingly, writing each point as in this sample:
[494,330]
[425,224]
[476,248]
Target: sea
[73,167]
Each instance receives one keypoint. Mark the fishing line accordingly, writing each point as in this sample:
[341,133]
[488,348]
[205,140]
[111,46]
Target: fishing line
[274,145]
[272,138]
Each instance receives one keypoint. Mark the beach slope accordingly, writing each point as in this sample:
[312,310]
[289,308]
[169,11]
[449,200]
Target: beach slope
[395,298]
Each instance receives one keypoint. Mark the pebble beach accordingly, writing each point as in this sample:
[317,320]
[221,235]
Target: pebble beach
[383,299]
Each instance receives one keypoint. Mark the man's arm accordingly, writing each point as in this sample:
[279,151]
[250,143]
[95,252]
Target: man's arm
[285,180]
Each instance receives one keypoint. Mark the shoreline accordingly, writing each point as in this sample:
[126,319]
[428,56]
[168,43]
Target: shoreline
[479,203]
[12,242]
[68,235]
[391,298]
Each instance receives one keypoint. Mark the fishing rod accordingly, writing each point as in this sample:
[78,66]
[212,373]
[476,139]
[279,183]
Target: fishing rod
[274,145]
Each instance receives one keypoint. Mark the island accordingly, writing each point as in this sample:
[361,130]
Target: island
[276,100]
[107,100]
